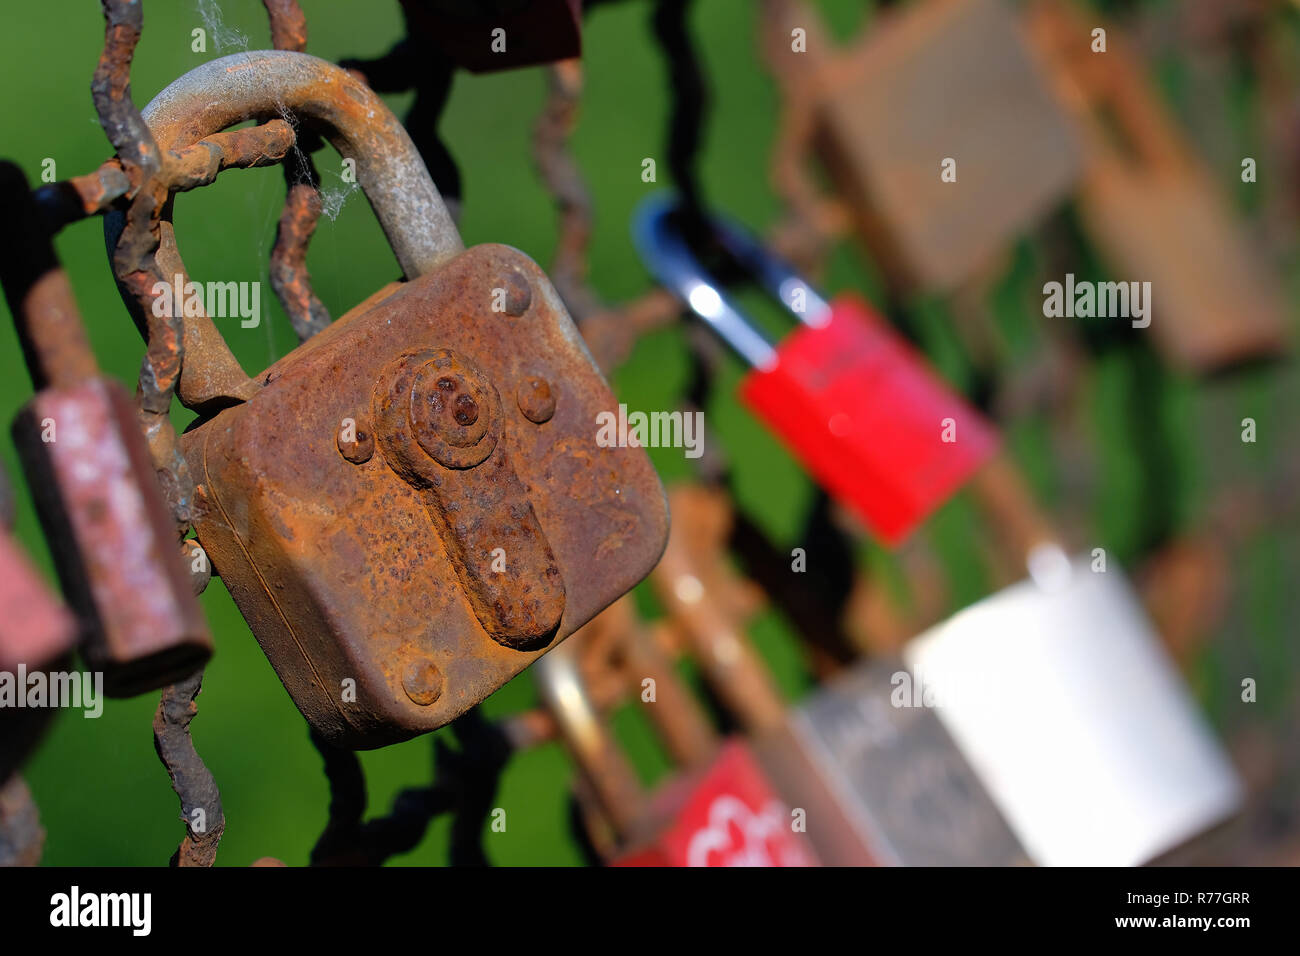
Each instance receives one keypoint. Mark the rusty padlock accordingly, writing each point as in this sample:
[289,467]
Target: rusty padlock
[412,506]
[722,812]
[484,36]
[879,784]
[117,554]
[854,402]
[1154,209]
[938,128]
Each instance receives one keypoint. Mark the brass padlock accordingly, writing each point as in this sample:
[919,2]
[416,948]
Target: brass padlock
[937,126]
[1155,210]
[412,506]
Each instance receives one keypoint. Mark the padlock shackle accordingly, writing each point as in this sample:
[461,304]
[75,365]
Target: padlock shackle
[271,84]
[669,258]
[589,740]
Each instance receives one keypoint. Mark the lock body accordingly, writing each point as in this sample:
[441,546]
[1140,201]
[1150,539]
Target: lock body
[93,481]
[868,419]
[117,556]
[724,815]
[1060,696]
[950,79]
[36,631]
[1155,211]
[35,628]
[880,781]
[414,507]
[883,783]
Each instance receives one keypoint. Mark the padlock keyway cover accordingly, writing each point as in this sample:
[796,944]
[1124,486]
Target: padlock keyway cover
[414,506]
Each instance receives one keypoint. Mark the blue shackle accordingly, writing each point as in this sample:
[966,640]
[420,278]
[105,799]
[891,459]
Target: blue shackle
[669,259]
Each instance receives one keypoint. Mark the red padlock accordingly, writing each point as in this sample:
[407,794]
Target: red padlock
[857,405]
[720,812]
[36,631]
[727,816]
[35,627]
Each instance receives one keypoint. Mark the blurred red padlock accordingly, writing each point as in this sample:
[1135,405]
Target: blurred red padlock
[727,816]
[855,403]
[720,812]
[35,627]
[36,631]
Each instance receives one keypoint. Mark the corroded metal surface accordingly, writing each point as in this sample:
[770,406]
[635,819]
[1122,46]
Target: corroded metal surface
[289,276]
[439,419]
[328,100]
[92,478]
[288,24]
[322,98]
[193,782]
[340,567]
[302,202]
[198,165]
[110,536]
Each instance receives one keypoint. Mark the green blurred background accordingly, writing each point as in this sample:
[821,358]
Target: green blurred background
[1157,456]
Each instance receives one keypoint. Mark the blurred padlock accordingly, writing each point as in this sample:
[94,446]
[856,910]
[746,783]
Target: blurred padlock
[488,35]
[412,506]
[937,127]
[1155,211]
[92,479]
[35,627]
[859,407]
[1062,697]
[36,633]
[722,812]
[1058,692]
[879,780]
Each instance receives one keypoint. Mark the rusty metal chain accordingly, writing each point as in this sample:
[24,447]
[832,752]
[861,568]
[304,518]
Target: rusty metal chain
[193,782]
[140,182]
[465,783]
[302,204]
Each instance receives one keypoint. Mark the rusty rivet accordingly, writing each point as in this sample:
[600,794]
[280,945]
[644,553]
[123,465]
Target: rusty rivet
[536,400]
[466,410]
[422,681]
[359,450]
[519,294]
